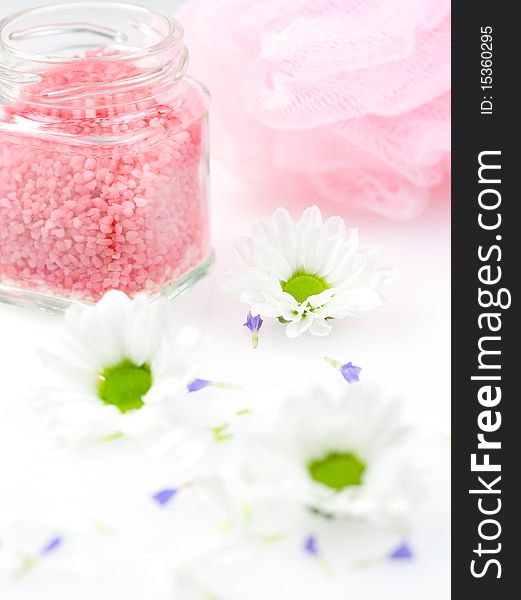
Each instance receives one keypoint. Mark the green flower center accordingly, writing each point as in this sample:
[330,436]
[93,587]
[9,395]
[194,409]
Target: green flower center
[124,385]
[337,470]
[303,285]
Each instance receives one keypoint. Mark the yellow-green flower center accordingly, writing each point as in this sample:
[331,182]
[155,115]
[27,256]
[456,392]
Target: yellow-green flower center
[124,385]
[337,470]
[303,285]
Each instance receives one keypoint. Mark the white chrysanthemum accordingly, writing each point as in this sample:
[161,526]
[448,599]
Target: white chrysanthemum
[342,458]
[116,368]
[306,273]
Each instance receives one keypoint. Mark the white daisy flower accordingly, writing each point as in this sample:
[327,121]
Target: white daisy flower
[116,368]
[346,458]
[306,273]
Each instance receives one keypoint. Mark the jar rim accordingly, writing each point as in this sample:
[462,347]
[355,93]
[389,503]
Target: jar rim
[173,35]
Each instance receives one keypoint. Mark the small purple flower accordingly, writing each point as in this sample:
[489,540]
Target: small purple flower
[198,384]
[164,496]
[310,545]
[402,552]
[51,545]
[350,373]
[254,324]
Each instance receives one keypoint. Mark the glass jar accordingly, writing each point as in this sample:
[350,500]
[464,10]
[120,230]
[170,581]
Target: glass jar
[103,155]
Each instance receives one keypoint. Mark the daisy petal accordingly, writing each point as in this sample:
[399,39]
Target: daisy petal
[297,328]
[311,217]
[243,250]
[320,326]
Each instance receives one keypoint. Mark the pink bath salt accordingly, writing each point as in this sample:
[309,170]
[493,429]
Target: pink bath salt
[79,216]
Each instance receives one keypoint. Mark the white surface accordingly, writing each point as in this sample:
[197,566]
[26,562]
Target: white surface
[404,346]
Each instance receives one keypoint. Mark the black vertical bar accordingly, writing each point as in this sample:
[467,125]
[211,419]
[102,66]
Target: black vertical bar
[485,124]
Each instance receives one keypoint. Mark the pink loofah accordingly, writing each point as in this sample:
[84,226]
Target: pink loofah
[78,217]
[349,98]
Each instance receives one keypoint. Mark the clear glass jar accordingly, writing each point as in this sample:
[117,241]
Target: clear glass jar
[103,155]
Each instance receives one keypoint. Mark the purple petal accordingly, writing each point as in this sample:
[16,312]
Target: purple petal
[401,552]
[253,323]
[164,496]
[350,372]
[51,545]
[197,384]
[310,545]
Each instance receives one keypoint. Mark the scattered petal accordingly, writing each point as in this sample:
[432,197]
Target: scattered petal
[164,496]
[254,324]
[402,552]
[51,545]
[198,384]
[310,545]
[350,372]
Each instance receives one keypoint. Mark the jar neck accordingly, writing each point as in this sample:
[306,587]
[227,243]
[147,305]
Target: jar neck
[60,59]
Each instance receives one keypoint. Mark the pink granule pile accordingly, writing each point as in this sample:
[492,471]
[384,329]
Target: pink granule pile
[78,217]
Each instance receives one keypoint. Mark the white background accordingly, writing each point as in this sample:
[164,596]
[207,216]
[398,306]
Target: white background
[404,346]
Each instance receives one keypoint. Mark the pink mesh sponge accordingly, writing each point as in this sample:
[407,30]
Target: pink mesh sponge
[349,99]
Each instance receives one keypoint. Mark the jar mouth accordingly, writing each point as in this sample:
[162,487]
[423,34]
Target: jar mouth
[148,31]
